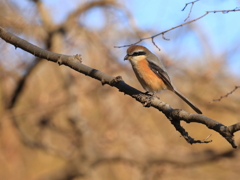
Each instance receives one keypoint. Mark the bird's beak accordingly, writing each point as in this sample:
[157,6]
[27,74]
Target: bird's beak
[126,57]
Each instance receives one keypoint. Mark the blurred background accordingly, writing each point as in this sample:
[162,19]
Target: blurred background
[57,124]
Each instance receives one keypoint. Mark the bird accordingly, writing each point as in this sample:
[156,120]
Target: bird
[151,73]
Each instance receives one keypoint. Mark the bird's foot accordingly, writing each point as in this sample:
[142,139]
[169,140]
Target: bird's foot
[148,99]
[149,93]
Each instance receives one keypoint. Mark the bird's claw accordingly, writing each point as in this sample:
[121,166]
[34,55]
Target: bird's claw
[148,99]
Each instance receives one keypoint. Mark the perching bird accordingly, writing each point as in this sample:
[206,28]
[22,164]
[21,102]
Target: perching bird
[151,72]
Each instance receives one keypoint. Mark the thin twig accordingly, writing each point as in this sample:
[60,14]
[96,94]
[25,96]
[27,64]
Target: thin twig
[188,4]
[165,38]
[226,95]
[163,32]
[155,44]
[192,3]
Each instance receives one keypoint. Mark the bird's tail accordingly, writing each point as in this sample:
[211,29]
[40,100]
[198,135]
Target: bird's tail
[188,102]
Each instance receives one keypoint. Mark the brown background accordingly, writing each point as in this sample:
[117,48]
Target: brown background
[63,125]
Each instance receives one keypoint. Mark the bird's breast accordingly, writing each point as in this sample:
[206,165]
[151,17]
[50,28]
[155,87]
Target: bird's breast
[148,79]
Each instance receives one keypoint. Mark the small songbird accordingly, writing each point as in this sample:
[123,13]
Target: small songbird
[151,72]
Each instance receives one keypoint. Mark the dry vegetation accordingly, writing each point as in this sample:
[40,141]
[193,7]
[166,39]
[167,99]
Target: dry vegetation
[57,124]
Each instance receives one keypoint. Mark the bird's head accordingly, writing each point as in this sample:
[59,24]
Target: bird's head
[136,53]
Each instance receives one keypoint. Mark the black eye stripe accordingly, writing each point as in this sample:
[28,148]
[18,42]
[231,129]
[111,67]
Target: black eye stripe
[138,53]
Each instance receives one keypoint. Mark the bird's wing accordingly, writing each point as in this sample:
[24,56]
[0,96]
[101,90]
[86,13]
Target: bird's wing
[161,74]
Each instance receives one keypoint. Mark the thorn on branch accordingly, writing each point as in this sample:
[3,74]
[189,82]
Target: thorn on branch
[59,61]
[114,81]
[78,57]
[103,82]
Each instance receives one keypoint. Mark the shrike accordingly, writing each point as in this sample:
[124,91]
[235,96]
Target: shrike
[151,72]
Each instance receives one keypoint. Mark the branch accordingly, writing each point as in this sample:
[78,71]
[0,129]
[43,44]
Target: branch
[172,114]
[192,3]
[188,4]
[185,135]
[163,32]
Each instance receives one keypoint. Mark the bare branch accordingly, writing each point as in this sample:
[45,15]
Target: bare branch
[188,4]
[163,32]
[192,3]
[172,114]
[226,95]
[165,38]
[190,140]
[155,44]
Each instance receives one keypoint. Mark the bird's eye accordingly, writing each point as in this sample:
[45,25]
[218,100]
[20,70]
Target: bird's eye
[139,53]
